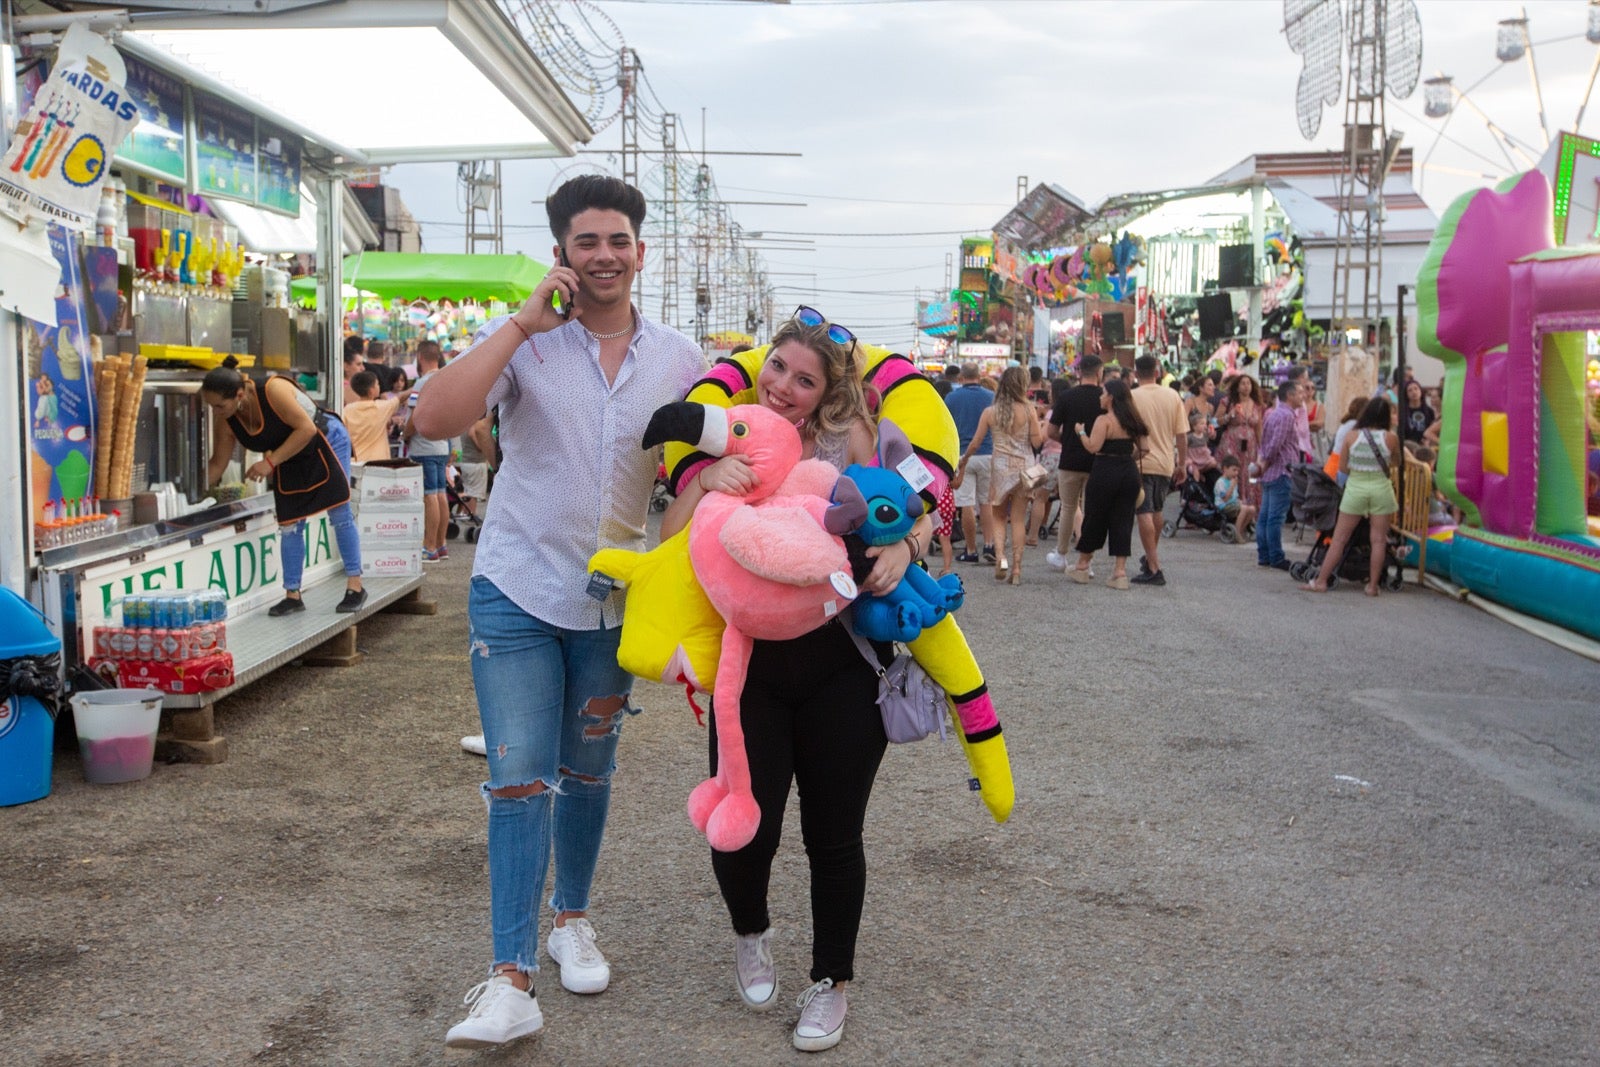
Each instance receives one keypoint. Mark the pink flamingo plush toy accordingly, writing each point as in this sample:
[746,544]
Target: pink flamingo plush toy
[773,565]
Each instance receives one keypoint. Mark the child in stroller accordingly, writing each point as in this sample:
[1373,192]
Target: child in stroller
[1197,505]
[461,516]
[1197,511]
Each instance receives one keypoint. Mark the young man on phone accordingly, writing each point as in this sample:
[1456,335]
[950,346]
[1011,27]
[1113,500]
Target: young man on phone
[575,394]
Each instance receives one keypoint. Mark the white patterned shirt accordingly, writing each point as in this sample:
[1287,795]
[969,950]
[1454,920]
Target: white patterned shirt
[575,479]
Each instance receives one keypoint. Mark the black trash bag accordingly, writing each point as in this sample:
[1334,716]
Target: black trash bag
[33,676]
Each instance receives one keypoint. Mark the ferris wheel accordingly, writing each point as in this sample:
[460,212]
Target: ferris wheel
[1505,119]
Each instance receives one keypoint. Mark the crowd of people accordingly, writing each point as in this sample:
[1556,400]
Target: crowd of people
[381,386]
[1120,442]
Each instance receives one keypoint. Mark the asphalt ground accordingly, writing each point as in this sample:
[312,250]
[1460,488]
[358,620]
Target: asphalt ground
[1252,826]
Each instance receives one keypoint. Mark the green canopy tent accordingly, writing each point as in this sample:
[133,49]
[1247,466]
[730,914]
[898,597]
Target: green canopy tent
[435,276]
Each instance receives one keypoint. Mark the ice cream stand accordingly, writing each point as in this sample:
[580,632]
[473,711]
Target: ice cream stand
[203,137]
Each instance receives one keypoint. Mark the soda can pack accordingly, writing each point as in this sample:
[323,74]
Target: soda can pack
[166,627]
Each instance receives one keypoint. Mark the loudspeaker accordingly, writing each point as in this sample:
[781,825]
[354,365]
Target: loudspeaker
[1236,267]
[1113,331]
[1216,316]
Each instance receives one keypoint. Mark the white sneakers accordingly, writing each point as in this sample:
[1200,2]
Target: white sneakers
[1055,560]
[500,1013]
[473,743]
[754,969]
[583,969]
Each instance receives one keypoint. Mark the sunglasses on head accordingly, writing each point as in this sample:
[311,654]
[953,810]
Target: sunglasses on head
[809,317]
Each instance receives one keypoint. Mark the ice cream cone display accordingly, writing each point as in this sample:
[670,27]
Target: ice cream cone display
[130,389]
[105,381]
[119,387]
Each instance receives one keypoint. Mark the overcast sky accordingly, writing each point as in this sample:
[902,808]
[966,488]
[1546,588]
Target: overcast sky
[917,118]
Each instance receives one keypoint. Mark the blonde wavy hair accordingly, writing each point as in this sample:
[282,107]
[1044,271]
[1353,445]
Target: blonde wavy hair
[844,399]
[1011,391]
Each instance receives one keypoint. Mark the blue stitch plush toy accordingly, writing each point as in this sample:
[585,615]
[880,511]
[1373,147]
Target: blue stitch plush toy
[888,508]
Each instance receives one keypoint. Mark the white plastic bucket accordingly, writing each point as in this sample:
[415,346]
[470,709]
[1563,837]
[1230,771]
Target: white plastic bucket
[117,733]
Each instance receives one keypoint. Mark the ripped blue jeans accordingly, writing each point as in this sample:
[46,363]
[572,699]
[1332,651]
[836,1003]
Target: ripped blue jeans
[552,702]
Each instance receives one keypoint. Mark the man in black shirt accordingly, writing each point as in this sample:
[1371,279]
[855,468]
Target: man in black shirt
[1081,403]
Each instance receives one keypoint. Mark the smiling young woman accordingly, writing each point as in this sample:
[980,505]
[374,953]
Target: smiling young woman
[809,711]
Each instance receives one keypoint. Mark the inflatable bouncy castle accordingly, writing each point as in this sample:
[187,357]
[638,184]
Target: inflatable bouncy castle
[1508,311]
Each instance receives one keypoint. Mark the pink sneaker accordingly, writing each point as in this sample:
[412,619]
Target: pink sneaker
[754,969]
[821,1022]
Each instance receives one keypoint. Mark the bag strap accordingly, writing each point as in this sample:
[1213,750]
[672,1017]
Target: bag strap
[862,644]
[1382,462]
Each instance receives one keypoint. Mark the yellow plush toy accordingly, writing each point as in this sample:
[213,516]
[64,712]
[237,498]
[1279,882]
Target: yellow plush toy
[670,631]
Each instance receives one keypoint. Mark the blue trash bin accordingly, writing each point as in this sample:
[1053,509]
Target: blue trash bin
[30,672]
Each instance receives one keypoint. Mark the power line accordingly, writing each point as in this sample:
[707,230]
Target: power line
[969,232]
[863,293]
[870,200]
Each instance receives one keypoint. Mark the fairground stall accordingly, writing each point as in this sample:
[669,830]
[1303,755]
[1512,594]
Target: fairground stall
[1249,258]
[1046,224]
[976,323]
[406,297]
[1246,257]
[115,306]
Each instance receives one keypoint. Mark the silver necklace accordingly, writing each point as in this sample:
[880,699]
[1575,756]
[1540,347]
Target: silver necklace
[611,336]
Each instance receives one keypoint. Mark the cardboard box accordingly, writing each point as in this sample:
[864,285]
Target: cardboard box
[391,562]
[387,485]
[383,530]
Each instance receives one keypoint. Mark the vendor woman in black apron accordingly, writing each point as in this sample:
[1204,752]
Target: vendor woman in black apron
[309,472]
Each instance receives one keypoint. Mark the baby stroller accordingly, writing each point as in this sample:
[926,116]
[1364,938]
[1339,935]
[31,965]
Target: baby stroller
[460,519]
[1314,502]
[660,492]
[1197,508]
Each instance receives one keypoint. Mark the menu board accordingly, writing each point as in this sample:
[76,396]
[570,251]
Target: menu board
[157,145]
[278,169]
[225,149]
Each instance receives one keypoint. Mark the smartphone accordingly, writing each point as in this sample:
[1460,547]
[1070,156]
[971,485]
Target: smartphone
[558,305]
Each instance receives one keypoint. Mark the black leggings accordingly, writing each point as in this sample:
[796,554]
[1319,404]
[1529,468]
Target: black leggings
[1108,502]
[810,715]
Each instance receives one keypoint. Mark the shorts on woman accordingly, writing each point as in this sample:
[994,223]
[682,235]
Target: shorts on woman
[1368,493]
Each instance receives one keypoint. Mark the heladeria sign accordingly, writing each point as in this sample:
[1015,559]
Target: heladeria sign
[244,564]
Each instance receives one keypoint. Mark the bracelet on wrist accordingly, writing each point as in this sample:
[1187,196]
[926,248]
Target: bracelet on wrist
[526,336]
[268,457]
